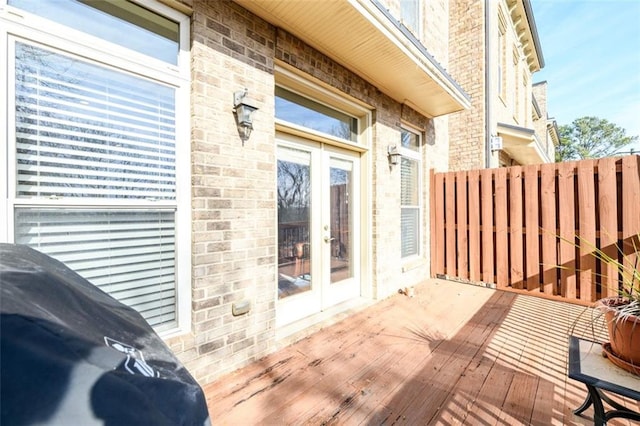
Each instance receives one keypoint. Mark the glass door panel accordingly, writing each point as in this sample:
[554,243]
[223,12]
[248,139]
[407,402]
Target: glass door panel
[340,219]
[341,232]
[318,234]
[294,222]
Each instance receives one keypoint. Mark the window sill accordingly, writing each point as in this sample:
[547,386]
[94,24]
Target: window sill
[413,263]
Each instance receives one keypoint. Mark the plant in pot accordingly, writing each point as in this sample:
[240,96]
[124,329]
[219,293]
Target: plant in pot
[622,312]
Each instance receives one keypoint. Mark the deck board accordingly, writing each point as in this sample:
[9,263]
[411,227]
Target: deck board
[453,354]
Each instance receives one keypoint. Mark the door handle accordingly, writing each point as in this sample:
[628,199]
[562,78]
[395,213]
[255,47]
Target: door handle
[328,240]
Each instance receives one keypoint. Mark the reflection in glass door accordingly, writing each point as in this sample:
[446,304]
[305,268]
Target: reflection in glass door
[294,217]
[318,232]
[340,252]
[340,218]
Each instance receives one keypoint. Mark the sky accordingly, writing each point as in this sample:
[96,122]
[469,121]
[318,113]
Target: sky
[591,50]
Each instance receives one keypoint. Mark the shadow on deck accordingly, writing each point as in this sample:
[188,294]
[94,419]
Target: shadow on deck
[453,354]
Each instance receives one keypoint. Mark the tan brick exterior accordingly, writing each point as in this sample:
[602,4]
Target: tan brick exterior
[467,64]
[540,124]
[489,58]
[234,236]
[233,240]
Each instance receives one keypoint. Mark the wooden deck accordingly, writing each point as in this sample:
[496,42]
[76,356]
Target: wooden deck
[453,354]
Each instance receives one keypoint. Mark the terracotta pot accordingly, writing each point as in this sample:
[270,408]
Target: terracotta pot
[624,334]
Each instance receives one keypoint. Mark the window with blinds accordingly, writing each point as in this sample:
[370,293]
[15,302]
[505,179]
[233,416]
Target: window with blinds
[87,131]
[127,253]
[94,175]
[410,194]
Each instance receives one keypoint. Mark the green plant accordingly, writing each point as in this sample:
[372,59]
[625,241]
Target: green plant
[620,313]
[628,302]
[627,265]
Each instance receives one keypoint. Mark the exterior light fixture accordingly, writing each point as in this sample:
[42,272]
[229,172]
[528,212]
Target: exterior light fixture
[496,143]
[243,110]
[394,155]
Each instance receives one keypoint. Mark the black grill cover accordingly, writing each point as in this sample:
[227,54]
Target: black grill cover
[70,354]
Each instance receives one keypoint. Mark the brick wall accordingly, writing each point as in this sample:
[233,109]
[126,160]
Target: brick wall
[233,195]
[540,125]
[466,58]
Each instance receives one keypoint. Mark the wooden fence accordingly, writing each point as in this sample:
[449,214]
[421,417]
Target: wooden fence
[534,228]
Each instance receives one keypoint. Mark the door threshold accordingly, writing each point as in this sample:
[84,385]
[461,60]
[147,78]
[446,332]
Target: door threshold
[297,330]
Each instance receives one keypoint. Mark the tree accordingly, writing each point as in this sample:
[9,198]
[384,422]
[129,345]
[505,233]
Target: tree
[591,137]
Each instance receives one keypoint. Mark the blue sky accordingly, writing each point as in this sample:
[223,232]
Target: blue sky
[591,50]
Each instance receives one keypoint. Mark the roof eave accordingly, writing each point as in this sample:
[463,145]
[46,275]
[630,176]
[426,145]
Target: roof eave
[362,36]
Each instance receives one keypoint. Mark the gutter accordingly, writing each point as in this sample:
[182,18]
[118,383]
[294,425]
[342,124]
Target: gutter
[528,10]
[536,107]
[487,85]
[423,50]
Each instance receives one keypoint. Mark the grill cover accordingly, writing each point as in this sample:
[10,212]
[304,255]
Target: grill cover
[72,354]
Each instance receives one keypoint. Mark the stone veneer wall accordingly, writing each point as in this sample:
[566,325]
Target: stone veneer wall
[233,185]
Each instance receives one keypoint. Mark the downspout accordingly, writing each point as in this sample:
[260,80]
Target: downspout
[487,84]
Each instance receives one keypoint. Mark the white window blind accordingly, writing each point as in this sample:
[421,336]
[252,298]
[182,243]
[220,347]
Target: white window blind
[88,135]
[127,253]
[410,231]
[410,207]
[88,131]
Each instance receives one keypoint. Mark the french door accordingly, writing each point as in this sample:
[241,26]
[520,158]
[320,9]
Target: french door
[318,227]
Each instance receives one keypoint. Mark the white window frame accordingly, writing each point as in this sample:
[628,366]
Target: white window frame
[502,61]
[294,81]
[415,156]
[415,4]
[24,27]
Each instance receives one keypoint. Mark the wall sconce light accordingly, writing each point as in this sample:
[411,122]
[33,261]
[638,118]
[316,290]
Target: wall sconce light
[496,143]
[243,110]
[394,155]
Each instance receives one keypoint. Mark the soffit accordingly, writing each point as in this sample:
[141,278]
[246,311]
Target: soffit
[365,39]
[554,133]
[525,25]
[520,144]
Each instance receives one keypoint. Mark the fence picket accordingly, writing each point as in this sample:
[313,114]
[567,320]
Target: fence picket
[502,230]
[567,227]
[474,225]
[608,232]
[516,228]
[630,214]
[486,194]
[450,225]
[461,221]
[437,228]
[549,230]
[586,230]
[532,226]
